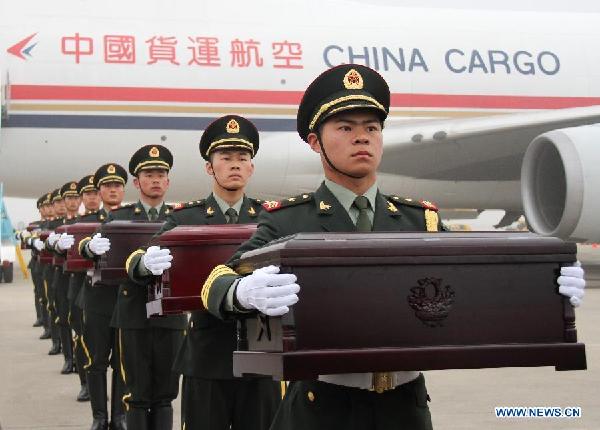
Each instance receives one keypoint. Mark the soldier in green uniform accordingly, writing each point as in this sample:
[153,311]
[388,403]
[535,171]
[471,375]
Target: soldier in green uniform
[91,202]
[212,398]
[99,339]
[341,117]
[39,268]
[51,271]
[147,346]
[26,238]
[60,284]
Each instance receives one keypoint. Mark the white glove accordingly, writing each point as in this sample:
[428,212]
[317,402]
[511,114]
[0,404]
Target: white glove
[24,235]
[65,241]
[38,244]
[157,260]
[268,291]
[571,283]
[98,245]
[52,238]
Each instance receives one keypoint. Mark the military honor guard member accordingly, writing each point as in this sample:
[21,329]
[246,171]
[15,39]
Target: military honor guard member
[212,398]
[99,339]
[87,194]
[341,117]
[60,284]
[37,246]
[51,271]
[147,346]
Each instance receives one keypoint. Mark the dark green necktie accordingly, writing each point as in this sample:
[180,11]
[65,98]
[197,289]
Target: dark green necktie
[153,214]
[233,216]
[363,223]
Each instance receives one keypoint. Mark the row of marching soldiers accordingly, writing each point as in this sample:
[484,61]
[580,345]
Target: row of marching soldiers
[341,117]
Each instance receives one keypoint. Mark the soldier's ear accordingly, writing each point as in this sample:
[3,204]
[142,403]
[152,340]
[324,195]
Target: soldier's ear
[313,142]
[209,168]
[136,183]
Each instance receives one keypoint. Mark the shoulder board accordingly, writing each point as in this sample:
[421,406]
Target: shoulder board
[423,204]
[257,201]
[127,206]
[190,204]
[273,205]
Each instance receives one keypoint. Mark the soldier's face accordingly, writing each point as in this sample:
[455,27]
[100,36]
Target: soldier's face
[353,142]
[91,200]
[231,169]
[152,183]
[72,203]
[112,193]
[60,209]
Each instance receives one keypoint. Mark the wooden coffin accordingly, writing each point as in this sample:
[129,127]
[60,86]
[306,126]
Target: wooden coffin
[196,251]
[414,301]
[125,237]
[74,262]
[45,256]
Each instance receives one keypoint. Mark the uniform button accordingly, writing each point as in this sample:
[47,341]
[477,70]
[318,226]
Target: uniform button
[124,292]
[311,396]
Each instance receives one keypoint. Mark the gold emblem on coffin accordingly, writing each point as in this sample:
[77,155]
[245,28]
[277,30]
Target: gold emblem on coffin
[430,301]
[353,80]
[154,152]
[111,169]
[232,126]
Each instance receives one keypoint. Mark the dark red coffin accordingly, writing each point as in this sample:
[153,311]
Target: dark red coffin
[125,237]
[74,262]
[196,251]
[414,301]
[45,256]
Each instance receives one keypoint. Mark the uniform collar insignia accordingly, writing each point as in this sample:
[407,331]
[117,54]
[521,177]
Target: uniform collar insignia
[324,206]
[392,208]
[210,211]
[167,211]
[137,210]
[251,211]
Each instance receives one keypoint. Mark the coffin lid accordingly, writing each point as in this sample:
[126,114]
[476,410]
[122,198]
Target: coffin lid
[207,234]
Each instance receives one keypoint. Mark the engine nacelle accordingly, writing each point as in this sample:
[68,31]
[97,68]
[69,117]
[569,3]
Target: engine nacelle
[560,183]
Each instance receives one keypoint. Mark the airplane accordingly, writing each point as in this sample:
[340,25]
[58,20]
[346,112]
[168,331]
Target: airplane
[492,107]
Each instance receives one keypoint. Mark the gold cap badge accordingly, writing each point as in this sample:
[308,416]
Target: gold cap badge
[353,80]
[154,152]
[233,126]
[111,169]
[91,180]
[73,186]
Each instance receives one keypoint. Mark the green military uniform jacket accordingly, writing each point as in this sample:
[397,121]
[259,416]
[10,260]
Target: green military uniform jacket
[207,351]
[79,293]
[130,308]
[318,212]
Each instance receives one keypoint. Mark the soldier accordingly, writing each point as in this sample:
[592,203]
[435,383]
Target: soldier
[341,117]
[98,304]
[51,272]
[60,285]
[26,239]
[91,203]
[211,397]
[147,346]
[37,245]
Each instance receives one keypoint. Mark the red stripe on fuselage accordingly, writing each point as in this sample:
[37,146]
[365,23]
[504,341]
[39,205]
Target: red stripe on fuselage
[195,95]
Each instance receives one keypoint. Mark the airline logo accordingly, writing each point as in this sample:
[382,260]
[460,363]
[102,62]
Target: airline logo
[22,48]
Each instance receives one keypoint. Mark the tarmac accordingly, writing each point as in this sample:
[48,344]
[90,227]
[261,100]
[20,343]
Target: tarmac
[35,396]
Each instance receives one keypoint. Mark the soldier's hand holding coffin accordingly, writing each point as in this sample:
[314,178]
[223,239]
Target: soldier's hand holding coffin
[52,238]
[38,244]
[571,283]
[268,291]
[65,241]
[98,245]
[157,260]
